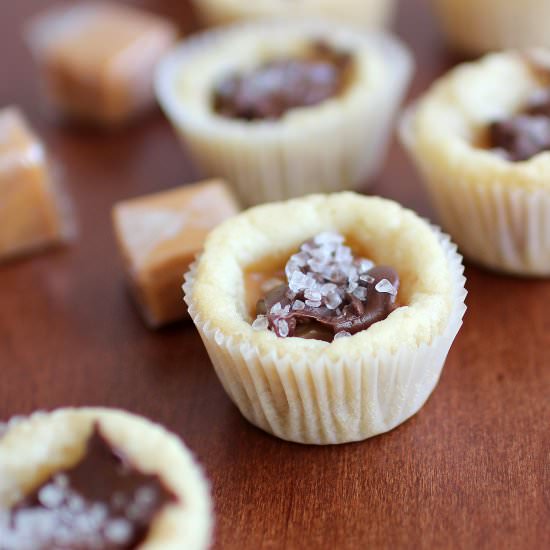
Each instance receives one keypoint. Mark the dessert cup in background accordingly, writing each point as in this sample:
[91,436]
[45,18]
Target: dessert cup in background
[348,389]
[365,13]
[495,203]
[337,143]
[54,454]
[481,26]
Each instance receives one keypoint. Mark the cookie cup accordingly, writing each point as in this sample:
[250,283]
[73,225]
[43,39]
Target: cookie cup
[480,26]
[310,391]
[365,13]
[337,144]
[497,211]
[34,448]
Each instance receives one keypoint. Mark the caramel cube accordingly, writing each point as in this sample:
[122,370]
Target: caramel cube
[159,236]
[32,212]
[97,59]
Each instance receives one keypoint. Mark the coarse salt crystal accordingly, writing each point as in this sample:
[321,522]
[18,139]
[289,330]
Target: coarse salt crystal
[360,293]
[298,305]
[118,531]
[365,265]
[385,286]
[276,309]
[260,323]
[342,334]
[367,278]
[333,300]
[313,295]
[283,328]
[328,237]
[312,303]
[51,496]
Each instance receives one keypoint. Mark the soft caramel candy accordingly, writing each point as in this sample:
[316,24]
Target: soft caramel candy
[97,59]
[159,236]
[32,213]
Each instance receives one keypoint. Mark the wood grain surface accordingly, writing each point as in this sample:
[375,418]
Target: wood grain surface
[471,470]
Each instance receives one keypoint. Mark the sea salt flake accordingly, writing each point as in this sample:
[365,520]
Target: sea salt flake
[385,286]
[352,286]
[297,281]
[260,323]
[360,293]
[276,309]
[327,288]
[312,303]
[282,325]
[313,295]
[333,300]
[342,334]
[118,531]
[298,305]
[364,266]
[367,278]
[51,496]
[328,237]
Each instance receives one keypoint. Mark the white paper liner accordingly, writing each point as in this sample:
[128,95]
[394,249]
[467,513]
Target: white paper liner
[319,402]
[188,525]
[335,150]
[367,13]
[480,26]
[498,226]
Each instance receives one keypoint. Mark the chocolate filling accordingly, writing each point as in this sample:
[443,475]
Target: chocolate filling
[274,88]
[101,503]
[522,136]
[329,293]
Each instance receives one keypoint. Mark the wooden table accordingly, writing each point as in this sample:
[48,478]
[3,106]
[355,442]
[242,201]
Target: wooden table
[471,470]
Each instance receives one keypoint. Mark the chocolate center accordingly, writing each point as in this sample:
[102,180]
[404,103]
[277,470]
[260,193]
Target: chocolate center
[274,88]
[524,135]
[103,502]
[328,294]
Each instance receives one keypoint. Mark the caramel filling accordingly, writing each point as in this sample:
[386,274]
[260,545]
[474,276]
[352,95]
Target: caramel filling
[325,292]
[274,88]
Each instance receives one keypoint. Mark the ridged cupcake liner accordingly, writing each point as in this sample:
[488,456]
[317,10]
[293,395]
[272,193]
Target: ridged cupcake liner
[480,26]
[324,402]
[498,226]
[367,13]
[339,144]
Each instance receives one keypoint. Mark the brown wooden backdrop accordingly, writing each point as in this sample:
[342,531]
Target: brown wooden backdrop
[471,470]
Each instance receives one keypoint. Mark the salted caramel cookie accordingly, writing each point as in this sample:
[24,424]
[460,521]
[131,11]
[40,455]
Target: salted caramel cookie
[97,478]
[480,137]
[293,299]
